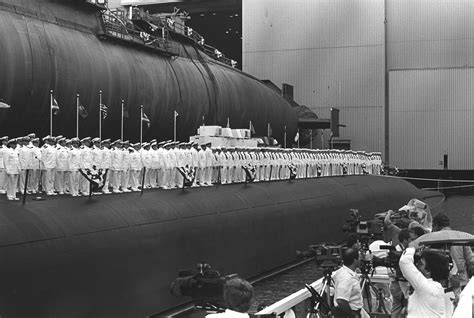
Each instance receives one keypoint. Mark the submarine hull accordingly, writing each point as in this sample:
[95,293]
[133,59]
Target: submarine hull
[59,45]
[116,255]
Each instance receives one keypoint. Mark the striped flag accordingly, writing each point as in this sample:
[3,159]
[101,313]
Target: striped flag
[103,110]
[146,120]
[297,137]
[252,129]
[54,106]
[83,112]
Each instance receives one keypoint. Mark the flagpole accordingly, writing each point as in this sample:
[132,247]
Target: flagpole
[51,113]
[121,122]
[141,124]
[77,115]
[100,115]
[268,130]
[284,139]
[174,124]
[250,128]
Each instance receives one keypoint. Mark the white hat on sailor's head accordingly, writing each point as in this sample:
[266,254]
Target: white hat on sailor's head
[3,138]
[145,144]
[106,141]
[85,139]
[75,140]
[96,139]
[11,141]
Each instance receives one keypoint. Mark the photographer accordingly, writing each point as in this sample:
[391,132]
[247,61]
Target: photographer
[428,298]
[347,291]
[238,295]
[399,289]
[462,255]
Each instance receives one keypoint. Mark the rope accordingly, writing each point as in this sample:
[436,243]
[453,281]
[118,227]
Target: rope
[426,179]
[453,187]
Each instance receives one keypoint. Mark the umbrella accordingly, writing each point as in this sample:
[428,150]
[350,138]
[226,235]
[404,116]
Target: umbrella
[450,237]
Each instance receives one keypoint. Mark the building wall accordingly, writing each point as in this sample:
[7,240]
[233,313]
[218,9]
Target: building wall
[324,47]
[431,83]
[330,50]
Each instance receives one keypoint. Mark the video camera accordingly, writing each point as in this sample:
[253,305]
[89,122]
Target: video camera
[203,284]
[365,229]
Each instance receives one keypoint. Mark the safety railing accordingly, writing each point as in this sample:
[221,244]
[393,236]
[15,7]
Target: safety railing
[122,28]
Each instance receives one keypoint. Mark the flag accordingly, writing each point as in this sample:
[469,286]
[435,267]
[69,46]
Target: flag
[4,105]
[269,130]
[252,130]
[203,121]
[176,114]
[228,122]
[54,106]
[146,120]
[103,110]
[83,112]
[125,112]
[297,137]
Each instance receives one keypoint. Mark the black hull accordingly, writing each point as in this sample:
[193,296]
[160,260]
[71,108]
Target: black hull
[115,256]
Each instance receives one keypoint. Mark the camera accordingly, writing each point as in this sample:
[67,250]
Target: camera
[364,228]
[203,284]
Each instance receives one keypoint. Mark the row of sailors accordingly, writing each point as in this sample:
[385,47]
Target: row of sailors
[56,164]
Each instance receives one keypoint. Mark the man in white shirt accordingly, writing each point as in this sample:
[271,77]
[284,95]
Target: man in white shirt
[3,174]
[347,291]
[12,168]
[238,295]
[428,299]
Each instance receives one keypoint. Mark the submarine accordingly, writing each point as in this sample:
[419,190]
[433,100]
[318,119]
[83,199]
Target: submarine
[117,255]
[75,47]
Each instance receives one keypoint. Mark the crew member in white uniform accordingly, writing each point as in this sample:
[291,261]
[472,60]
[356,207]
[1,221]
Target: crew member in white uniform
[48,160]
[86,163]
[115,175]
[106,164]
[61,165]
[12,167]
[135,166]
[35,172]
[3,174]
[74,164]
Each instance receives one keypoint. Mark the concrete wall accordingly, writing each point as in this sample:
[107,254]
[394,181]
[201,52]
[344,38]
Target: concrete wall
[330,50]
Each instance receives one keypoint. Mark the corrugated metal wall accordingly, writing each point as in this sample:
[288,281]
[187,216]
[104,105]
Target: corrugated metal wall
[431,115]
[323,47]
[431,83]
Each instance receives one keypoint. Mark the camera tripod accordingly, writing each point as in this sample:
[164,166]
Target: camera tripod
[320,304]
[367,286]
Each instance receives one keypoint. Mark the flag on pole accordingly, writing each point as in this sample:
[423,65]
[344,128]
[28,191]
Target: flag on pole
[103,110]
[146,120]
[3,104]
[54,106]
[203,121]
[83,112]
[228,122]
[252,130]
[297,137]
[269,130]
[125,112]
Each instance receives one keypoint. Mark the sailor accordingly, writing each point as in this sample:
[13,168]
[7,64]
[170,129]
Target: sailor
[35,167]
[115,175]
[48,160]
[202,165]
[23,154]
[86,164]
[136,166]
[166,166]
[61,165]
[3,175]
[157,159]
[146,158]
[224,159]
[175,156]
[106,164]
[215,164]
[195,162]
[74,164]
[209,164]
[126,149]
[12,168]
